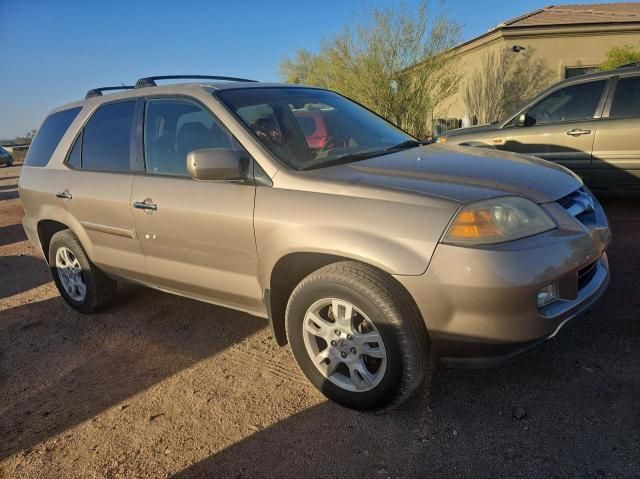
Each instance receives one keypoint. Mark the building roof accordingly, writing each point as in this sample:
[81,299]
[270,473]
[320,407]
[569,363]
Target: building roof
[577,14]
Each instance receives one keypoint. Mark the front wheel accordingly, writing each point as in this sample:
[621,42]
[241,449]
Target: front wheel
[357,336]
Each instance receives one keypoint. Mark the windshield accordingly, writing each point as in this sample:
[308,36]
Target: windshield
[307,128]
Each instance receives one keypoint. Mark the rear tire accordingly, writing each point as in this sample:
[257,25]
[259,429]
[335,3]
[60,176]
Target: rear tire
[81,283]
[373,352]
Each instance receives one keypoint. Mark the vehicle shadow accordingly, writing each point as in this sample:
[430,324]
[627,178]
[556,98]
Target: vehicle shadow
[600,175]
[10,234]
[569,408]
[21,273]
[87,364]
[9,195]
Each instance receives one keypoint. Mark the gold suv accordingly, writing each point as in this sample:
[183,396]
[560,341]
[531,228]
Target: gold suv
[362,246]
[588,123]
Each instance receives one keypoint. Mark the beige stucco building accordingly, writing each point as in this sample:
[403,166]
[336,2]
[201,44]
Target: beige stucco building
[543,47]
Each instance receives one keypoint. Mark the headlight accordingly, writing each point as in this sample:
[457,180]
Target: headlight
[441,139]
[498,220]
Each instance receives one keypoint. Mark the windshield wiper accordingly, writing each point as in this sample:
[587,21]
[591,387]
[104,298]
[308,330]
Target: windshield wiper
[349,157]
[405,145]
[346,158]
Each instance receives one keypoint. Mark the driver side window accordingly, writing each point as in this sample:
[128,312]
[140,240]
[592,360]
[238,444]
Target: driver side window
[572,103]
[173,128]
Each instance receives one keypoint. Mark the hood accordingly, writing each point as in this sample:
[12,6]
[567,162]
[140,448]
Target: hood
[472,129]
[459,173]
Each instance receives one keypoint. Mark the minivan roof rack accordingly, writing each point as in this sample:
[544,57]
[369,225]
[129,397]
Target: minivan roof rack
[98,91]
[151,81]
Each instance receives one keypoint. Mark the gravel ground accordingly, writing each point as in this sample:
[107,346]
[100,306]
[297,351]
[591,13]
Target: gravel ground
[161,386]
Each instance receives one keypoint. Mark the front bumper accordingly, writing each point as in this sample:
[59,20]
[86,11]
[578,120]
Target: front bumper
[480,304]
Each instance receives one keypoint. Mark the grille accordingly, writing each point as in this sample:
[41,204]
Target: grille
[578,203]
[586,274]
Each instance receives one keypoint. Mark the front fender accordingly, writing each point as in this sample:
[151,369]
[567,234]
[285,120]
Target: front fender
[396,237]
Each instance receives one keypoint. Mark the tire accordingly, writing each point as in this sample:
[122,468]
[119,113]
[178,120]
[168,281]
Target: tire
[100,290]
[376,298]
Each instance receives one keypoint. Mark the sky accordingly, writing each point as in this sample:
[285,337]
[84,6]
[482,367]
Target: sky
[53,51]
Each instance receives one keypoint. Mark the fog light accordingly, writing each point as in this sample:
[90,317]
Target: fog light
[547,295]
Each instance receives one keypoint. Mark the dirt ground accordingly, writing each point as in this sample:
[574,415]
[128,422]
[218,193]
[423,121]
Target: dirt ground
[160,386]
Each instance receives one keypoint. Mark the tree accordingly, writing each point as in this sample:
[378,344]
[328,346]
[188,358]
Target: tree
[618,56]
[485,93]
[395,61]
[504,82]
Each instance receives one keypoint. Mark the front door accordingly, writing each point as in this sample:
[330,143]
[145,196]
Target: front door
[197,236]
[561,127]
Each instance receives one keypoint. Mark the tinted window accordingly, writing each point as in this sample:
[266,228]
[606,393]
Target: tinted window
[173,128]
[49,135]
[626,102]
[106,142]
[75,157]
[576,102]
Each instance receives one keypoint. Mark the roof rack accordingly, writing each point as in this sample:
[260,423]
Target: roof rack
[98,91]
[629,65]
[151,81]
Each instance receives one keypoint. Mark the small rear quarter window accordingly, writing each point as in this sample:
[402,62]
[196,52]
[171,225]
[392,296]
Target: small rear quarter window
[49,135]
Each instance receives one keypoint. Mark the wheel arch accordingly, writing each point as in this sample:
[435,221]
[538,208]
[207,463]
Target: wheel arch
[287,273]
[48,226]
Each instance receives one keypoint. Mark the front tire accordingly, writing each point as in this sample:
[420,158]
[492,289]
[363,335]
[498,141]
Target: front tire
[357,336]
[81,283]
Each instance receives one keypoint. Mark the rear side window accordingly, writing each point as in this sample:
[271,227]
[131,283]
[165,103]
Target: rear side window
[75,157]
[49,135]
[626,102]
[106,140]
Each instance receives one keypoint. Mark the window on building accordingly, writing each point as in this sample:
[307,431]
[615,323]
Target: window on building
[570,72]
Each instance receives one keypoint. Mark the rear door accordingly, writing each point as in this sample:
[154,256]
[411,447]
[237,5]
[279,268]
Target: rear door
[563,128]
[197,236]
[616,150]
[97,188]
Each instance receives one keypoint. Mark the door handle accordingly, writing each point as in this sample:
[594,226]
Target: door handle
[578,132]
[146,205]
[65,195]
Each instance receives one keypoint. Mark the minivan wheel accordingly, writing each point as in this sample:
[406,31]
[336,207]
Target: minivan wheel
[357,336]
[82,285]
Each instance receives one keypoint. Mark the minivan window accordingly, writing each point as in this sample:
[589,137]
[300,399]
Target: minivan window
[626,102]
[573,103]
[49,135]
[75,157]
[106,142]
[173,128]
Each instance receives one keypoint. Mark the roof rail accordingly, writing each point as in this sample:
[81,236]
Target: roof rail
[98,91]
[629,65]
[151,81]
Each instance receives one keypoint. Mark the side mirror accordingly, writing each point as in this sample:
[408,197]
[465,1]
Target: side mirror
[525,120]
[213,164]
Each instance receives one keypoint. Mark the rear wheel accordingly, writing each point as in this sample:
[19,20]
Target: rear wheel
[81,283]
[357,336]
